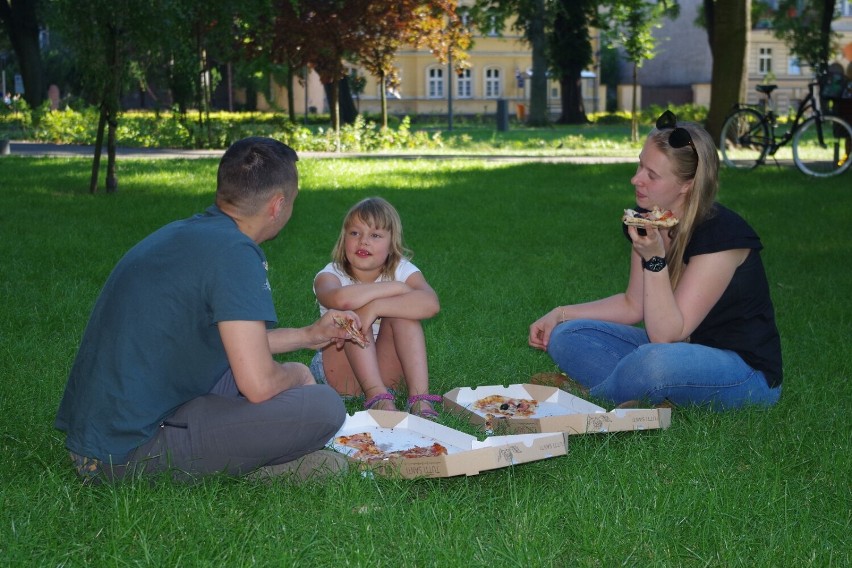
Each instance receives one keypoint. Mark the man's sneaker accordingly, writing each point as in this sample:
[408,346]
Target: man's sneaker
[316,465]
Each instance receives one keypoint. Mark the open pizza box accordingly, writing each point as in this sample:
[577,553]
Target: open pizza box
[556,411]
[466,455]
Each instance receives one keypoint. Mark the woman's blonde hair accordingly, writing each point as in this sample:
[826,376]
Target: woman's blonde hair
[698,163]
[378,214]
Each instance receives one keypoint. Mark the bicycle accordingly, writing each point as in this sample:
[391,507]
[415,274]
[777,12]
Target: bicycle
[821,143]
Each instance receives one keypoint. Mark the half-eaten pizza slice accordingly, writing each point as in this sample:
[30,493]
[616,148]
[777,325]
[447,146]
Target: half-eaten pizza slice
[349,326]
[656,217]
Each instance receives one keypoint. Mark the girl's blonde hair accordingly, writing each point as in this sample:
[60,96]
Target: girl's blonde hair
[378,214]
[701,167]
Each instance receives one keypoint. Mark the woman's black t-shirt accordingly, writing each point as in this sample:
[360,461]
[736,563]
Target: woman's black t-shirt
[743,320]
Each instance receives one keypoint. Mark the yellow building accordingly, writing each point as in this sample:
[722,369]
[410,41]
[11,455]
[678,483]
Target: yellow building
[497,70]
[500,67]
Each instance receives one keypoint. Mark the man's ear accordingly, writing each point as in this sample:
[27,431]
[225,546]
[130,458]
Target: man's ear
[276,205]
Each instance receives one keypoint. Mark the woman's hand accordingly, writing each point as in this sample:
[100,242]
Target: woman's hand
[541,329]
[648,245]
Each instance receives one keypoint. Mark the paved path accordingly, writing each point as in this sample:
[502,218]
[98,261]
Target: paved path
[39,149]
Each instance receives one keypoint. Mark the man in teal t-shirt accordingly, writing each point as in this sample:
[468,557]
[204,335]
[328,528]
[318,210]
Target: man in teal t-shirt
[176,371]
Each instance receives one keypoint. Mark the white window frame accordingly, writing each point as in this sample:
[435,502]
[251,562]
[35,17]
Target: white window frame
[493,82]
[764,60]
[435,82]
[464,84]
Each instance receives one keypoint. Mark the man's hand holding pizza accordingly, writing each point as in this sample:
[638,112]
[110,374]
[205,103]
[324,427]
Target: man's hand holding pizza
[328,330]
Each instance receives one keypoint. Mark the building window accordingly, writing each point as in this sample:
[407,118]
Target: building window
[493,83]
[435,83]
[764,61]
[494,24]
[464,84]
[793,66]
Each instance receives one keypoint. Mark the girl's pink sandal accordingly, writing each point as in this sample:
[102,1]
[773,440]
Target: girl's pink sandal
[373,401]
[428,412]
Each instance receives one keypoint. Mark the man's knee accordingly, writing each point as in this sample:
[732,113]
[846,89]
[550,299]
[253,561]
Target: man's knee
[324,405]
[301,373]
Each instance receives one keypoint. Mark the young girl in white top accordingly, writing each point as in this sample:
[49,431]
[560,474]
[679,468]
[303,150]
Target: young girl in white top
[371,275]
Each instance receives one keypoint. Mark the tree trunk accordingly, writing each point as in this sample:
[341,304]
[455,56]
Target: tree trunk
[825,34]
[346,104]
[340,103]
[20,21]
[538,115]
[634,114]
[571,51]
[200,96]
[384,95]
[112,179]
[96,161]
[332,91]
[573,109]
[729,46]
[291,99]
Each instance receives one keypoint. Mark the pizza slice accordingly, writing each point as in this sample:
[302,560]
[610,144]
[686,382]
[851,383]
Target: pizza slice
[367,450]
[656,217]
[349,326]
[500,406]
[364,445]
[432,451]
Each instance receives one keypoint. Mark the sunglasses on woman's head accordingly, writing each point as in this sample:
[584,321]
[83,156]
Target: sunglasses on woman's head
[680,136]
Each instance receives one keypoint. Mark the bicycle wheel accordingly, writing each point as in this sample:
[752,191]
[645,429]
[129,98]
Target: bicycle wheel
[745,139]
[821,147]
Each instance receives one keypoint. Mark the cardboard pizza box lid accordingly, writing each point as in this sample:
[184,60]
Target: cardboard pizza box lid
[557,411]
[466,455]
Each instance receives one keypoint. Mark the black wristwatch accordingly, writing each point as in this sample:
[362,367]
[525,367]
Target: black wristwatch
[654,264]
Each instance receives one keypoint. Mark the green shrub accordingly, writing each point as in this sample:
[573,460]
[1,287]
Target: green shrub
[607,133]
[688,112]
[606,118]
[67,126]
[146,131]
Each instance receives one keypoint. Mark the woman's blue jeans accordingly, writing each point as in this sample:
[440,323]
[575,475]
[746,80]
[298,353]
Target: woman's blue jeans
[619,363]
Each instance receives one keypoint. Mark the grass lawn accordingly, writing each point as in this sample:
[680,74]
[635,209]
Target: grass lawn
[501,244]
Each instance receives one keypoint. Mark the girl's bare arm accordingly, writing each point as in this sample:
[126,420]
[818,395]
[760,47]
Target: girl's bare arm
[333,295]
[419,302]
